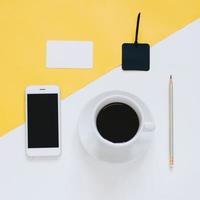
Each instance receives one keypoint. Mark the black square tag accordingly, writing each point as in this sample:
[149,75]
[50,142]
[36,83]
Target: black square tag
[135,56]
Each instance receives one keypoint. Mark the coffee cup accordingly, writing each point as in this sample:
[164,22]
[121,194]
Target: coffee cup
[116,126]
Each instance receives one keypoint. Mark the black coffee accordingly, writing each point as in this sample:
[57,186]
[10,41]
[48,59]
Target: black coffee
[117,122]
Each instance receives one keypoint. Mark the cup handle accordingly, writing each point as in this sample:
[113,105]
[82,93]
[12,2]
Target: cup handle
[148,126]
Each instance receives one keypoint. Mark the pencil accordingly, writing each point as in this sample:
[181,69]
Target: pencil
[171,124]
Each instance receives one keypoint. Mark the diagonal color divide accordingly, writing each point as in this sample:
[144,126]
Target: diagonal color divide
[27,25]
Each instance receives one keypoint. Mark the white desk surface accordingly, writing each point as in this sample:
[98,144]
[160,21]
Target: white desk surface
[77,176]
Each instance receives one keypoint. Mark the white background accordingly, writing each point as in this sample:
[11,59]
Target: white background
[77,176]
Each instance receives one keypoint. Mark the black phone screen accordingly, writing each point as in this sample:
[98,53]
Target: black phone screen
[42,120]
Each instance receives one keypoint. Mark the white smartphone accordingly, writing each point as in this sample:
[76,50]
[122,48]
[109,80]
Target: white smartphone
[43,120]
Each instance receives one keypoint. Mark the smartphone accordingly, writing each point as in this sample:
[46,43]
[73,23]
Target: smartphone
[43,120]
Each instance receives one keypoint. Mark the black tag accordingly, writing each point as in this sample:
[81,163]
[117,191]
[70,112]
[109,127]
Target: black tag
[136,56]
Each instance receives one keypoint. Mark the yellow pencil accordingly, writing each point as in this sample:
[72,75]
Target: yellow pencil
[171,124]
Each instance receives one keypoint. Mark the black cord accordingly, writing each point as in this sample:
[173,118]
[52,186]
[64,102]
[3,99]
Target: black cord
[137,29]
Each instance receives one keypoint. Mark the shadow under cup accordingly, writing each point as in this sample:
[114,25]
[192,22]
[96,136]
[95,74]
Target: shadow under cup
[117,122]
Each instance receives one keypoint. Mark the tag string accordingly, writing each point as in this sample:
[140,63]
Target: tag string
[137,29]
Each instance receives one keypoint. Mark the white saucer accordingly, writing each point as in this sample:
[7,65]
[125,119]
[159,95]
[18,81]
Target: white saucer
[105,150]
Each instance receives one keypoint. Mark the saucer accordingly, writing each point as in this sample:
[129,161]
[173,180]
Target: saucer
[103,149]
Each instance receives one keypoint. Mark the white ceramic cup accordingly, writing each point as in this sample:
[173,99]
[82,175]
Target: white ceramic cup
[104,149]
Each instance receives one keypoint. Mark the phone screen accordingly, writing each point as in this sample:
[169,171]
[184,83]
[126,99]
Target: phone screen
[42,121]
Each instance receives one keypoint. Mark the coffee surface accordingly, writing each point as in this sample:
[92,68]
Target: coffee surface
[117,122]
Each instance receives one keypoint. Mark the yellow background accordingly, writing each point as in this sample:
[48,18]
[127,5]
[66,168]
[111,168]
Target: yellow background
[26,25]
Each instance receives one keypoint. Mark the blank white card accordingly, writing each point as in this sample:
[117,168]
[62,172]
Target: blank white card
[69,54]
